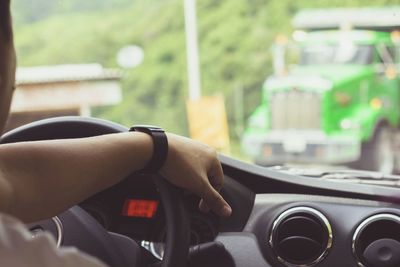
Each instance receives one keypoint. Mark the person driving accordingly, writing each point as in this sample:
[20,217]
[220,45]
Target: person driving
[40,179]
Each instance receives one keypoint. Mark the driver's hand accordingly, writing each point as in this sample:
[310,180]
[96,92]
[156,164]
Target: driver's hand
[195,167]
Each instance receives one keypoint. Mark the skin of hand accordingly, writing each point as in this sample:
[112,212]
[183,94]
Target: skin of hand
[195,167]
[29,190]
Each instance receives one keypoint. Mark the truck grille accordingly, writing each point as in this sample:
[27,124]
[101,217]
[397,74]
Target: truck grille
[295,110]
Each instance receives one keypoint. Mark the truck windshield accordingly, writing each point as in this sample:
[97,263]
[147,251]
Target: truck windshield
[323,54]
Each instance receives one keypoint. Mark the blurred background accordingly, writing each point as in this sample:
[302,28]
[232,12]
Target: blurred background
[281,81]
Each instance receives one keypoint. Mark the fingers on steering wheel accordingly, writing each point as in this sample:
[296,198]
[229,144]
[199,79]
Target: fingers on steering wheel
[216,175]
[214,201]
[212,198]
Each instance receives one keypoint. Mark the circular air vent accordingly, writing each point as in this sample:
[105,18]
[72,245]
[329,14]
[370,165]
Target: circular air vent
[301,236]
[376,241]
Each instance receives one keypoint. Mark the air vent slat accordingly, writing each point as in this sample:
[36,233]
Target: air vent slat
[302,226]
[298,248]
[376,241]
[301,236]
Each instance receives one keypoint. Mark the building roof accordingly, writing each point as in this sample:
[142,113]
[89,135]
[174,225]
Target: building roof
[65,73]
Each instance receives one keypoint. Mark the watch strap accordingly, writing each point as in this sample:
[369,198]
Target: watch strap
[160,146]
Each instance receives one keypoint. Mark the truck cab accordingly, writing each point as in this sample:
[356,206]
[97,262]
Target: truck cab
[338,105]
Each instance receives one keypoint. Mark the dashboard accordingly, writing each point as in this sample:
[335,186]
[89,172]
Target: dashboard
[302,221]
[267,227]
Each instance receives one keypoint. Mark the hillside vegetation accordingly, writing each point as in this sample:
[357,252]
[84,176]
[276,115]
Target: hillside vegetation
[235,38]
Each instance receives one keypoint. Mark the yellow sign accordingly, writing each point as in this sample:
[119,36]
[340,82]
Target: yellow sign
[208,122]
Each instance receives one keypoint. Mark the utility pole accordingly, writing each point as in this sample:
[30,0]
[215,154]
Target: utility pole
[206,115]
[192,50]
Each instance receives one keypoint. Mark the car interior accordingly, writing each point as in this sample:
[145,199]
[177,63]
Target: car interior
[281,217]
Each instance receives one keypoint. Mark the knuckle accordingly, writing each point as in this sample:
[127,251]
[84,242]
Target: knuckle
[214,153]
[209,150]
[217,185]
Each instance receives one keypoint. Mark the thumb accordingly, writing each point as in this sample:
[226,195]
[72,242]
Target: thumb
[213,200]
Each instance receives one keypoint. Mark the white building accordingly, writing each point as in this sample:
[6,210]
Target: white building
[49,91]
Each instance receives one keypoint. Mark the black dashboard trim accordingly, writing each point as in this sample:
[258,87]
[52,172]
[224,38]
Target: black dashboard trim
[264,180]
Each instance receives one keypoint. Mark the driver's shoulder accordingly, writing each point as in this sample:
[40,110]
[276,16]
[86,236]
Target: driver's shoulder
[19,247]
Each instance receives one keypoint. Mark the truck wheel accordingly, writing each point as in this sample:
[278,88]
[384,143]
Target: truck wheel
[378,155]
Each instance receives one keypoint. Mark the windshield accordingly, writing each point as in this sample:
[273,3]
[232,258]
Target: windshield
[320,54]
[207,69]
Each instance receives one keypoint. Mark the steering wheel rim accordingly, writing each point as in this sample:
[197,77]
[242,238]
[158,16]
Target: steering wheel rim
[177,238]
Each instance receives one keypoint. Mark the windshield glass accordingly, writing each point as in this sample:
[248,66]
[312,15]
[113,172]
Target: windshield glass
[336,54]
[221,72]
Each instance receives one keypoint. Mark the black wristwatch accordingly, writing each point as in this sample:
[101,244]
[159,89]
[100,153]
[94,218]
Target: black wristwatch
[160,146]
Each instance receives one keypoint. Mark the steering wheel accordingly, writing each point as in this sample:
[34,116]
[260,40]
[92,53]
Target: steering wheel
[75,227]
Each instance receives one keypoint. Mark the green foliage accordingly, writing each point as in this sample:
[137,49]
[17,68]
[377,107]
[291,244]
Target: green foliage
[28,11]
[235,38]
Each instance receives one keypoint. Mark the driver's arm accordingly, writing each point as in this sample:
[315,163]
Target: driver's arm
[42,178]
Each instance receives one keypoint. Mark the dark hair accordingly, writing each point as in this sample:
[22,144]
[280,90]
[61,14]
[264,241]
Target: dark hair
[5,19]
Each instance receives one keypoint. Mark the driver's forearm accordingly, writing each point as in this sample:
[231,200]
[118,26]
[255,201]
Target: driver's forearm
[41,179]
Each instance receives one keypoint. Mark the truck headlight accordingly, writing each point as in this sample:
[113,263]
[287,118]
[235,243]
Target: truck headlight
[349,124]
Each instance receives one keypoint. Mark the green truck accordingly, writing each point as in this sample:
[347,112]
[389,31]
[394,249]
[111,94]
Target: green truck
[340,103]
